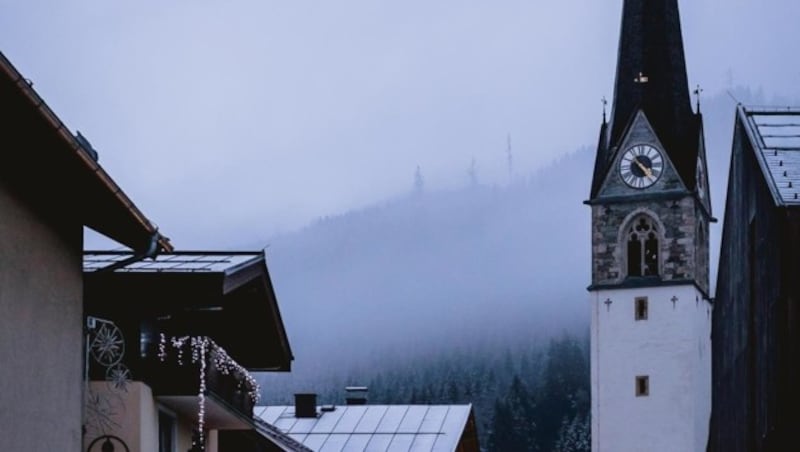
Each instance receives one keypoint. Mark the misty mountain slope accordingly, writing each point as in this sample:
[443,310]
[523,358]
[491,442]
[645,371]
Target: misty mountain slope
[436,264]
[437,269]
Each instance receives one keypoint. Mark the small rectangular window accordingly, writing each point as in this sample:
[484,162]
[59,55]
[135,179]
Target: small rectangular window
[642,386]
[640,308]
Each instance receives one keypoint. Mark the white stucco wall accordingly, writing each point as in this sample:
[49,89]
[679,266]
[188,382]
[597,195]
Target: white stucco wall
[41,341]
[673,348]
[133,415]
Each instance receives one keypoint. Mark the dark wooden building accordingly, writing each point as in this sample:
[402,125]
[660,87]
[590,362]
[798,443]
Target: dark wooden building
[172,341]
[755,336]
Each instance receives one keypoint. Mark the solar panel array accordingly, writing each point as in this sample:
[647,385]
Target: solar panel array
[373,428]
[172,262]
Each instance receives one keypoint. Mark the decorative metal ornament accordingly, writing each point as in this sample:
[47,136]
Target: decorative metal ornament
[101,410]
[108,345]
[118,377]
[108,443]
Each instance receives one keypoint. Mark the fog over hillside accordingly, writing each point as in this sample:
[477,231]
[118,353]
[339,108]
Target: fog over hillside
[431,271]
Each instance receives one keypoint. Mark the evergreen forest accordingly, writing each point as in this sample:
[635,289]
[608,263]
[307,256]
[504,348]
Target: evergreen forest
[474,294]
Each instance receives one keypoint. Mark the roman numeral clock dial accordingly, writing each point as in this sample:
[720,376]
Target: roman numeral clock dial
[641,166]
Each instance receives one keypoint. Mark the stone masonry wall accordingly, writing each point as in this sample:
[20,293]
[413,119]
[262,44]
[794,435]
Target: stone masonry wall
[677,222]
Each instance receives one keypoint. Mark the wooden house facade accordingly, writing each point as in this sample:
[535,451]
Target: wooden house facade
[172,342]
[755,331]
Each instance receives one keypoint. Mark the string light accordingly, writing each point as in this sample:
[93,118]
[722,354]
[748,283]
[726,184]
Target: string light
[200,348]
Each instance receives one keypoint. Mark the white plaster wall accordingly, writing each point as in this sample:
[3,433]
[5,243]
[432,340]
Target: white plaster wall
[41,324]
[672,347]
[134,419]
[703,376]
[132,414]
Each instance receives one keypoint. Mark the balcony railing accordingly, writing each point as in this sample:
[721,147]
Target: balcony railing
[189,366]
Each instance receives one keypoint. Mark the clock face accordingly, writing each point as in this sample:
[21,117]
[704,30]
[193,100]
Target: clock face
[641,166]
[701,191]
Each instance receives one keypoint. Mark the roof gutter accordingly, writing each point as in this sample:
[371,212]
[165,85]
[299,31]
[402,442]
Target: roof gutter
[150,252]
[98,171]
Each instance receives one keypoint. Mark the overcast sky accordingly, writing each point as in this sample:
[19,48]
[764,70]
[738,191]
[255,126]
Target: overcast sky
[231,120]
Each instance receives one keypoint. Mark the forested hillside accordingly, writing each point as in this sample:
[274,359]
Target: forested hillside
[475,294]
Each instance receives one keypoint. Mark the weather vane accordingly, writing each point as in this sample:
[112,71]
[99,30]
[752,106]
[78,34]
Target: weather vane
[697,93]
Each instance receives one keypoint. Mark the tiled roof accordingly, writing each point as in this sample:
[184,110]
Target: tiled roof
[351,428]
[774,134]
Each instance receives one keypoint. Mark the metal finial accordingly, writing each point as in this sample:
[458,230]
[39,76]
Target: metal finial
[605,103]
[697,92]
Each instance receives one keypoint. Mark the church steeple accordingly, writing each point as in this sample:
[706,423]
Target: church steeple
[650,310]
[651,77]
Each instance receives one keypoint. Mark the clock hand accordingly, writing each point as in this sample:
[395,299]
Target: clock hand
[647,171]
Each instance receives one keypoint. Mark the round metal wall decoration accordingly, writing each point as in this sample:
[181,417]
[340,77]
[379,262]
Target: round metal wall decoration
[108,443]
[108,345]
[118,377]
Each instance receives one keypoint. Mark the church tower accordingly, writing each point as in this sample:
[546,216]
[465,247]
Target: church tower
[651,313]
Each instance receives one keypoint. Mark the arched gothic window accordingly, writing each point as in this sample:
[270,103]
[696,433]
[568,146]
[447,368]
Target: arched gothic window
[642,238]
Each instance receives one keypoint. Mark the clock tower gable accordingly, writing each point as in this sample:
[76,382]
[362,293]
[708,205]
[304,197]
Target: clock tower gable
[625,176]
[701,176]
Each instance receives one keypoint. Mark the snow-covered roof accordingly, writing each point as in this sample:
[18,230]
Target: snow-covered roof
[378,428]
[178,261]
[775,137]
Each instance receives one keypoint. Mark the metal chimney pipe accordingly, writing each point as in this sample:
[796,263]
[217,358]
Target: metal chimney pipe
[356,395]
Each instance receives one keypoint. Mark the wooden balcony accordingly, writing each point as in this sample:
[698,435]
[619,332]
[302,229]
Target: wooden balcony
[173,369]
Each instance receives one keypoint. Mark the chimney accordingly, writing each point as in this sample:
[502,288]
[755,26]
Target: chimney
[356,395]
[305,405]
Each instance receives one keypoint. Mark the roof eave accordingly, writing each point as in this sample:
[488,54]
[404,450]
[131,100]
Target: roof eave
[131,227]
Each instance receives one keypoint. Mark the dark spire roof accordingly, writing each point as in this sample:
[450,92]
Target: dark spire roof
[651,45]
[601,160]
